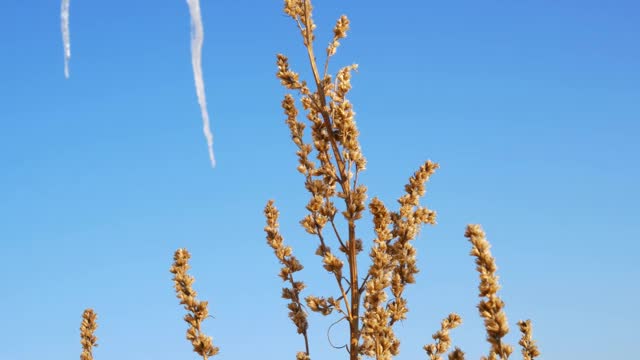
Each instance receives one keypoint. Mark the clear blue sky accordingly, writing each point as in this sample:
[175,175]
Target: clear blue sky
[532,109]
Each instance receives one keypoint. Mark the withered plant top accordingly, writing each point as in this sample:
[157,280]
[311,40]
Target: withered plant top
[197,310]
[88,339]
[330,164]
[371,302]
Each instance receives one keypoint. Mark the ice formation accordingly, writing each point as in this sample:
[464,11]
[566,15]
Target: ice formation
[64,23]
[197,37]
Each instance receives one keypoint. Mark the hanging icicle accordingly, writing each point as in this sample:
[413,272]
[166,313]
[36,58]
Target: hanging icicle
[64,24]
[197,37]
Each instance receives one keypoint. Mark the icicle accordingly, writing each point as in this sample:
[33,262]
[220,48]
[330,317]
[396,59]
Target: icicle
[64,22]
[197,37]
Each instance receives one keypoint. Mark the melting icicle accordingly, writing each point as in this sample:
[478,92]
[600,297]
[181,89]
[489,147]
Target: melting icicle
[64,22]
[197,37]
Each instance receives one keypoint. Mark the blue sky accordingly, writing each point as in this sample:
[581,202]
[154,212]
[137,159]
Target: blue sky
[530,107]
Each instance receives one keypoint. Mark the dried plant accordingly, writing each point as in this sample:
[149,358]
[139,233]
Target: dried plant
[372,301]
[331,161]
[529,347]
[290,265]
[334,174]
[88,339]
[491,306]
[443,341]
[456,354]
[197,311]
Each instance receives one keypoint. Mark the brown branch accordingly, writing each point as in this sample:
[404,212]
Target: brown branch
[344,184]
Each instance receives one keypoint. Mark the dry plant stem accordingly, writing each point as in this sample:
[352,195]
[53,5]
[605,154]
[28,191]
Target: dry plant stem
[306,28]
[324,247]
[299,304]
[529,347]
[338,280]
[87,338]
[354,319]
[491,306]
[296,129]
[296,300]
[290,265]
[322,96]
[442,339]
[456,354]
[335,231]
[197,311]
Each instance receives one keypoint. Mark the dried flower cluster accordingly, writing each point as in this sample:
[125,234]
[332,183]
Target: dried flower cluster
[491,306]
[197,311]
[290,265]
[529,347]
[443,341]
[88,339]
